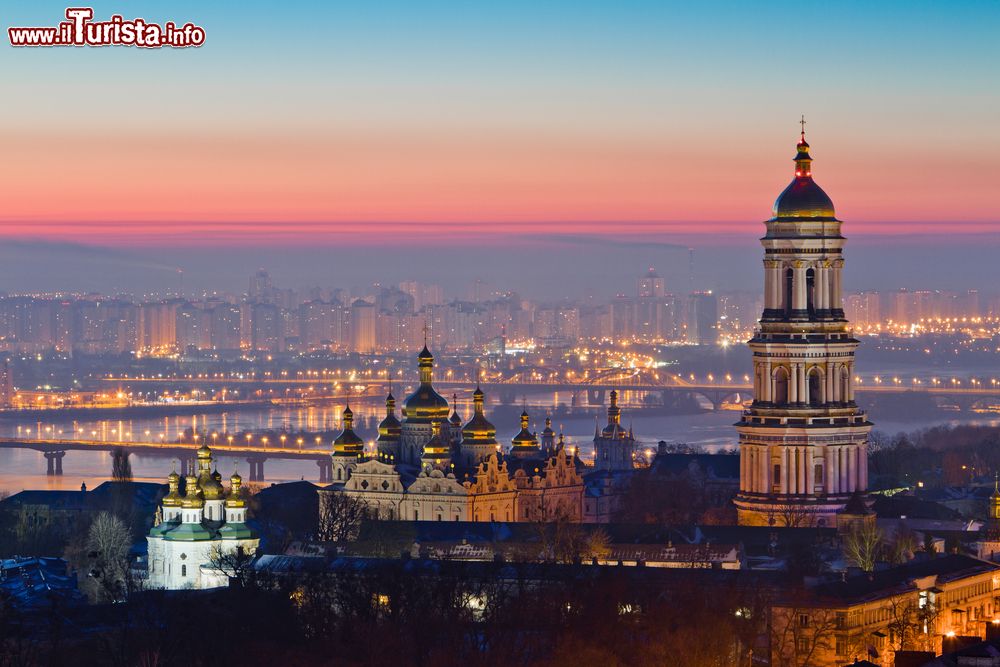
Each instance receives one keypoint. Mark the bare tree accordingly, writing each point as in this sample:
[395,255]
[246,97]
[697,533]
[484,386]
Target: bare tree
[912,624]
[236,563]
[108,542]
[790,516]
[340,516]
[801,634]
[863,544]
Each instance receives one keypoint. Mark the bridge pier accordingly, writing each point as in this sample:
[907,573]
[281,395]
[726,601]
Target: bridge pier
[256,467]
[595,396]
[325,470]
[54,463]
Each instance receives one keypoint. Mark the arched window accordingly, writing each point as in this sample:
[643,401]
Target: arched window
[816,393]
[845,384]
[184,570]
[818,474]
[780,386]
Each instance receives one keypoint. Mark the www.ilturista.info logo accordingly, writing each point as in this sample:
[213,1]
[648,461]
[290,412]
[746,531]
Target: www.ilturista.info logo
[81,30]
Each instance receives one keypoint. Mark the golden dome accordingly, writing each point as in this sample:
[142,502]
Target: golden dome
[389,429]
[425,405]
[173,497]
[211,488]
[192,494]
[803,199]
[525,439]
[233,498]
[436,449]
[348,443]
[479,430]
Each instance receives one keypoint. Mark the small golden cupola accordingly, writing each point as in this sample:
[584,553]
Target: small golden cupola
[524,444]
[437,452]
[233,498]
[173,497]
[192,494]
[211,487]
[479,430]
[348,443]
[803,199]
[389,429]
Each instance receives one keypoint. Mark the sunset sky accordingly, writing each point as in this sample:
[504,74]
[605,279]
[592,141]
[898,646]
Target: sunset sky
[322,123]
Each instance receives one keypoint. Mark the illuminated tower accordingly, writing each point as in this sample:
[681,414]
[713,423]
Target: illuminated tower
[803,441]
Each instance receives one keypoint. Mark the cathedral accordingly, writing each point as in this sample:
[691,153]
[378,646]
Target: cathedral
[803,440]
[191,527]
[429,466]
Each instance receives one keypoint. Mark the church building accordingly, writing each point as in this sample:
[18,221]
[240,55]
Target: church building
[192,526]
[429,467]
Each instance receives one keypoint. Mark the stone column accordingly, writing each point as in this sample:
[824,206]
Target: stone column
[764,474]
[822,295]
[837,304]
[852,481]
[799,285]
[804,470]
[841,471]
[863,467]
[793,383]
[828,461]
[807,469]
[784,471]
[803,384]
[767,389]
[744,461]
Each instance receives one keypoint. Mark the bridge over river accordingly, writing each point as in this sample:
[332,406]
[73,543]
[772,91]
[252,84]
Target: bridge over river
[592,388]
[55,451]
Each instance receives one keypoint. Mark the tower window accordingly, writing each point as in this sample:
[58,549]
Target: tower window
[818,474]
[781,386]
[816,396]
[184,570]
[777,473]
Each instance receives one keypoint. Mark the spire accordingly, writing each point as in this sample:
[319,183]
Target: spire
[803,161]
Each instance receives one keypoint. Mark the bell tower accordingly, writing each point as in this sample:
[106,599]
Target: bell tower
[803,441]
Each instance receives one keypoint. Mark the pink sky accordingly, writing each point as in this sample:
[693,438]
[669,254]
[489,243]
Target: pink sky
[132,188]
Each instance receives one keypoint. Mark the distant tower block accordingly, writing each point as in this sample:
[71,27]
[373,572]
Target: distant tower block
[6,385]
[803,441]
